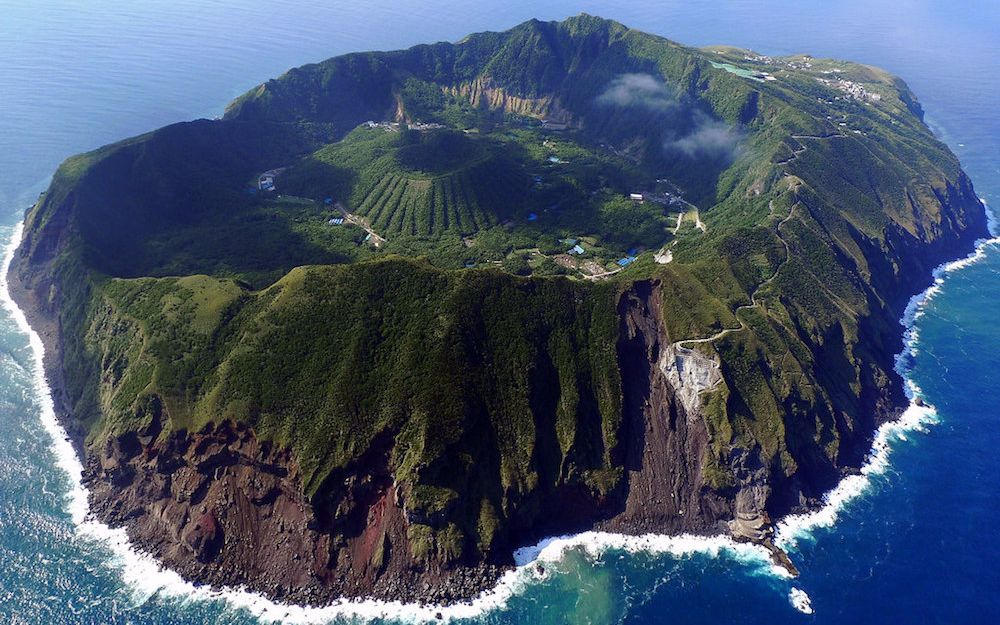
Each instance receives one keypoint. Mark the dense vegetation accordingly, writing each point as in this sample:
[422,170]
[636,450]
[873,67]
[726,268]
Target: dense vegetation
[795,216]
[532,361]
[410,182]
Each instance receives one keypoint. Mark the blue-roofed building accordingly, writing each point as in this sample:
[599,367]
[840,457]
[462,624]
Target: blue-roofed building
[576,250]
[532,217]
[570,241]
[625,262]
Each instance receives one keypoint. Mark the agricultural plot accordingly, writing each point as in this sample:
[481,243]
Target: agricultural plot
[463,202]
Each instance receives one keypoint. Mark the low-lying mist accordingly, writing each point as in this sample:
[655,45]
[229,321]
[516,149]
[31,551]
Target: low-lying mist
[682,127]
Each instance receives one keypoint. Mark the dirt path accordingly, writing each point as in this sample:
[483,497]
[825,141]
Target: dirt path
[680,218]
[377,239]
[788,253]
[664,256]
[698,223]
[753,297]
[601,276]
[798,152]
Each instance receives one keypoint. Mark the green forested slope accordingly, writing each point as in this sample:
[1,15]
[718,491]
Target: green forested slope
[809,214]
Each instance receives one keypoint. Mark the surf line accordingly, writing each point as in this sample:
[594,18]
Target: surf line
[148,579]
[916,418]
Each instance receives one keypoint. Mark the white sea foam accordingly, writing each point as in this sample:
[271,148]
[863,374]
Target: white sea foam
[685,545]
[915,418]
[992,222]
[76,498]
[800,600]
[148,579]
[917,303]
[795,527]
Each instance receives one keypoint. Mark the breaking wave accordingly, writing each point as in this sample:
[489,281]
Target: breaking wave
[800,600]
[147,578]
[916,418]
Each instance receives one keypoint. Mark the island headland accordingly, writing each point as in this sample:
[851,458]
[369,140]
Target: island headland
[396,314]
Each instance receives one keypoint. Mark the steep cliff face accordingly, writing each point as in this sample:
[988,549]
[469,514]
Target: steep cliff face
[665,436]
[483,93]
[219,496]
[223,506]
[281,418]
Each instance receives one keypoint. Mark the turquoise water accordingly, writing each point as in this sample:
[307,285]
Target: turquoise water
[916,546]
[739,71]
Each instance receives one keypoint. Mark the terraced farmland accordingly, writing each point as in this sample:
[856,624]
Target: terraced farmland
[416,183]
[464,201]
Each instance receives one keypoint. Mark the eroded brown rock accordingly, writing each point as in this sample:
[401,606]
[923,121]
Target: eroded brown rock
[225,508]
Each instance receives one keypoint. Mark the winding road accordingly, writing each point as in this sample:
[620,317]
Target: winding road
[788,254]
[753,297]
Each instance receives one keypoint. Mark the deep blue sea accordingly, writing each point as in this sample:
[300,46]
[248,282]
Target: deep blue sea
[916,543]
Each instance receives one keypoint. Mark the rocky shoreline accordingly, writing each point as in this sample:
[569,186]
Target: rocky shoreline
[605,428]
[127,475]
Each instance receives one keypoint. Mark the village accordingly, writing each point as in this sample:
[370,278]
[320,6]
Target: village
[851,89]
[582,255]
[824,72]
[397,126]
[585,255]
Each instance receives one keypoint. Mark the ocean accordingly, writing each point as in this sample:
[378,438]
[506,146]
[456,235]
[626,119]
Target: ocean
[912,540]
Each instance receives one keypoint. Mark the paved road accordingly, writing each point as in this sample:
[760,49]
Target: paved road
[753,297]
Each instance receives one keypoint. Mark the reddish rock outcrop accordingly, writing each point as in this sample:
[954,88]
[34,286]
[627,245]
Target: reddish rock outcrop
[225,508]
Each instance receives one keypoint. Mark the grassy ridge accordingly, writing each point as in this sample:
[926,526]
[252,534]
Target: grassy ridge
[493,390]
[535,395]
